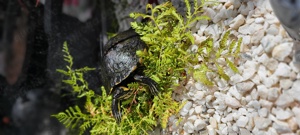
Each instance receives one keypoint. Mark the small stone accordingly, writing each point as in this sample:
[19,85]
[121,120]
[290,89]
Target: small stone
[281,127]
[271,131]
[199,124]
[294,91]
[211,130]
[236,79]
[296,111]
[284,100]
[232,102]
[283,114]
[242,121]
[273,30]
[244,86]
[270,81]
[273,93]
[257,51]
[210,111]
[237,22]
[199,86]
[259,20]
[263,112]
[213,122]
[248,73]
[280,52]
[292,124]
[268,43]
[188,127]
[185,110]
[191,111]
[262,72]
[242,111]
[192,118]
[250,124]
[198,40]
[262,91]
[256,79]
[251,64]
[217,117]
[257,36]
[246,40]
[233,91]
[255,104]
[272,64]
[199,95]
[262,123]
[266,104]
[263,59]
[245,29]
[208,98]
[244,131]
[198,109]
[254,94]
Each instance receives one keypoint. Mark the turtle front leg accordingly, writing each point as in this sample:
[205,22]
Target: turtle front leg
[119,94]
[154,89]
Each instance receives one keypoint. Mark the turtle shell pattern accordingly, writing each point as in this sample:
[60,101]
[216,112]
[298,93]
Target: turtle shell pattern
[119,58]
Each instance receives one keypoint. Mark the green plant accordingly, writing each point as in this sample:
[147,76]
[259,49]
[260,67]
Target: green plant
[168,37]
[167,60]
[138,118]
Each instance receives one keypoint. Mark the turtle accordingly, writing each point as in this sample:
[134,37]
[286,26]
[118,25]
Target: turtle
[120,65]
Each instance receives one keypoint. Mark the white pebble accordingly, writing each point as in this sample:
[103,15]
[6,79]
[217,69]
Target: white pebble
[244,86]
[265,103]
[199,124]
[262,91]
[280,52]
[211,130]
[271,64]
[255,104]
[273,30]
[232,102]
[262,123]
[213,122]
[284,100]
[233,91]
[242,121]
[263,112]
[185,110]
[273,93]
[188,127]
[283,70]
[294,91]
[199,95]
[244,131]
[281,127]
[237,21]
[198,109]
[257,51]
[270,81]
[259,20]
[283,114]
[296,111]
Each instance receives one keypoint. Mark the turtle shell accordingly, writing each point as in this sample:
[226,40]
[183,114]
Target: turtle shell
[119,58]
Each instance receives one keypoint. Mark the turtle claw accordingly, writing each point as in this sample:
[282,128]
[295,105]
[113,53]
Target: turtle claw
[115,106]
[148,81]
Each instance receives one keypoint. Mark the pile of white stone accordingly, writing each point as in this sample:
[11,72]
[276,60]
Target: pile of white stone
[264,98]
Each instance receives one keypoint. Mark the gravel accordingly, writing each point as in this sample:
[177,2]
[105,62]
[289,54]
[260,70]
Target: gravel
[263,98]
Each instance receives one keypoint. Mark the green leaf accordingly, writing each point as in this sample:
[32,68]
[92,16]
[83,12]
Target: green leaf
[232,66]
